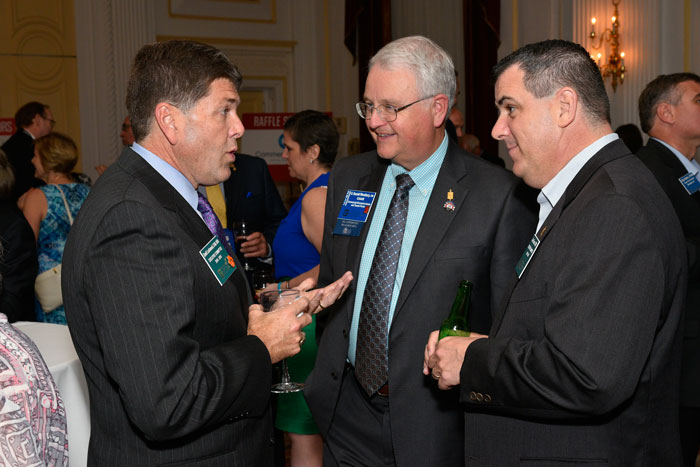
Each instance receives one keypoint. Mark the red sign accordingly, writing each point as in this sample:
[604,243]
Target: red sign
[7,126]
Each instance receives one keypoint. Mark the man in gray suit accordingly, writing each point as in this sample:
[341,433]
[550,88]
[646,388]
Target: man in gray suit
[178,367]
[581,365]
[455,218]
[669,110]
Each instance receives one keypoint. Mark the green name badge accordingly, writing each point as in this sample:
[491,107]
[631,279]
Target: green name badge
[218,260]
[527,256]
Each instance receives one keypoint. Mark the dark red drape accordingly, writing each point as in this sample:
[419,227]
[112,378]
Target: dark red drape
[481,40]
[367,29]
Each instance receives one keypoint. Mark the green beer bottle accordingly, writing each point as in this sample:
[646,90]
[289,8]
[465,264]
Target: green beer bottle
[456,324]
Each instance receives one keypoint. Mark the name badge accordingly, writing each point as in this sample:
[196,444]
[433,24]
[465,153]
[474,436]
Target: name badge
[219,261]
[527,256]
[354,212]
[690,183]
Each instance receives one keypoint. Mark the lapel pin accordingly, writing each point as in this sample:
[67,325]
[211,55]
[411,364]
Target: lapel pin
[232,166]
[449,204]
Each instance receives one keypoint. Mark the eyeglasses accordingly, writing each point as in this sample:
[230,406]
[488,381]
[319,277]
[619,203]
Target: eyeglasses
[50,120]
[388,113]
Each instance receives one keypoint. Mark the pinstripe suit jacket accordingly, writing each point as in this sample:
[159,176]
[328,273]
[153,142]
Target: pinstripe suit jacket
[172,376]
[581,366]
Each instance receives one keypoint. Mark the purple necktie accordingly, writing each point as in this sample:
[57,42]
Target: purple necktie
[212,221]
[372,356]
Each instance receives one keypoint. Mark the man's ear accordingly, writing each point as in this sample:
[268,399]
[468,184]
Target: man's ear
[666,113]
[440,109]
[168,118]
[566,106]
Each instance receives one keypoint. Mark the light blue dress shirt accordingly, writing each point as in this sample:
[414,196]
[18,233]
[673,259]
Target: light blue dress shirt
[424,177]
[554,190]
[171,174]
[691,166]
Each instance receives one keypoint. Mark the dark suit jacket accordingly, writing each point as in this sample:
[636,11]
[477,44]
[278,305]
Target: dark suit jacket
[581,367]
[172,376]
[20,150]
[480,240]
[668,169]
[251,195]
[18,264]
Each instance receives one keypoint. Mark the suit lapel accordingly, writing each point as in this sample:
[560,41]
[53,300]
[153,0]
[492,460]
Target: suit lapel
[436,220]
[608,153]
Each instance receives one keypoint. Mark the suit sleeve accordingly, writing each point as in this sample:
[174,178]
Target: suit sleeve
[599,315]
[140,284]
[19,269]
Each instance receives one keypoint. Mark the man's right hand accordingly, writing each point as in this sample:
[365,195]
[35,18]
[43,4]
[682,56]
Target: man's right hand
[280,330]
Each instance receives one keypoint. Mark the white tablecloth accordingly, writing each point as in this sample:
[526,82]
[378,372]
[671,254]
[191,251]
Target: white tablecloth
[56,347]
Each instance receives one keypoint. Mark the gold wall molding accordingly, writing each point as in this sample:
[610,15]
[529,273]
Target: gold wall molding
[231,41]
[178,11]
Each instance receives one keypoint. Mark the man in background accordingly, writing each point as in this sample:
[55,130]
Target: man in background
[33,120]
[581,365]
[410,220]
[669,110]
[127,137]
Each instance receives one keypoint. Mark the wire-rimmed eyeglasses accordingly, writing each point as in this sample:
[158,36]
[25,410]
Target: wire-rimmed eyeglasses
[388,113]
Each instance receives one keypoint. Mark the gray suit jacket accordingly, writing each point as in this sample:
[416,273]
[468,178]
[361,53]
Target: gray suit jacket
[582,364]
[480,240]
[667,169]
[172,376]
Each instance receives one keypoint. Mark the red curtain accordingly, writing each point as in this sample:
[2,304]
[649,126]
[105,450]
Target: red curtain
[481,40]
[367,29]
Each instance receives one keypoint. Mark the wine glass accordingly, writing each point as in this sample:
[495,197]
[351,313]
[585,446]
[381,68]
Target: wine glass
[242,229]
[270,301]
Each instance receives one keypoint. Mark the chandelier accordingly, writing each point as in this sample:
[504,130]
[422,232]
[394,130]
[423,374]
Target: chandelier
[615,66]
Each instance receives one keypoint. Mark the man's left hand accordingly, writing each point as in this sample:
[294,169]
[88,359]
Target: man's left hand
[254,246]
[444,358]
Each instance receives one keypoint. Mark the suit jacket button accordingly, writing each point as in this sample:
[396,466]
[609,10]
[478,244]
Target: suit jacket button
[487,398]
[472,396]
[479,397]
[334,375]
[345,333]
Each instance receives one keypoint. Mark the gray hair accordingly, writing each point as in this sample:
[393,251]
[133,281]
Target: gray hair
[430,64]
[550,65]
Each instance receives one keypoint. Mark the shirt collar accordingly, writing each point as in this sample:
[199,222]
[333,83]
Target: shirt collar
[169,173]
[425,174]
[556,187]
[692,166]
[29,133]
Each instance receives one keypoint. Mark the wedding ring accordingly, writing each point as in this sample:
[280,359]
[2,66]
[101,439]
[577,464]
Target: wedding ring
[303,338]
[321,305]
[436,376]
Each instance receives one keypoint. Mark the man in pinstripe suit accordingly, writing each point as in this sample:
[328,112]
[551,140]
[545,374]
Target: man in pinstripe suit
[178,368]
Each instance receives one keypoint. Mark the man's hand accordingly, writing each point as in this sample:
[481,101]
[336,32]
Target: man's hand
[444,358]
[280,330]
[253,245]
[320,299]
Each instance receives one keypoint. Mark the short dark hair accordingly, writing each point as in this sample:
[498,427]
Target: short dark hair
[178,72]
[550,65]
[310,127]
[27,112]
[663,88]
[7,177]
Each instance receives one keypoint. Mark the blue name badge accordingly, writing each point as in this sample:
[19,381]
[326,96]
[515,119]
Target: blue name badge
[690,183]
[354,212]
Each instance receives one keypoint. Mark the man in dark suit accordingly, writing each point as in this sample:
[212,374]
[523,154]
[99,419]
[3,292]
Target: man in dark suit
[178,367]
[33,120]
[670,115]
[251,195]
[465,219]
[581,365]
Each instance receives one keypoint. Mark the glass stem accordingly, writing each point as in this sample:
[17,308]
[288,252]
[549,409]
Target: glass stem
[285,372]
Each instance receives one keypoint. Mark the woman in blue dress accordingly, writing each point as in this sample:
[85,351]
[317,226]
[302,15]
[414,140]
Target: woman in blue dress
[55,155]
[310,147]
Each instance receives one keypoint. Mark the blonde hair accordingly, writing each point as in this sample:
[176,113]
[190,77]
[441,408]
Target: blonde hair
[58,152]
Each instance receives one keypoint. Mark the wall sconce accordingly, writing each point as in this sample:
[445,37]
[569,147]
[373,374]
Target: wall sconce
[615,67]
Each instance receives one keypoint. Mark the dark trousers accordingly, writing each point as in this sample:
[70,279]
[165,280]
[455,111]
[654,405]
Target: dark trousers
[690,434]
[360,433]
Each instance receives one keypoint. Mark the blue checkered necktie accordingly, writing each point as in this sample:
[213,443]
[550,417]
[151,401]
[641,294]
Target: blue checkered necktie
[213,223]
[372,357]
